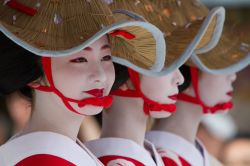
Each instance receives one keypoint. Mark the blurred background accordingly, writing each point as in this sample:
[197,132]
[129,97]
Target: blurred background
[227,137]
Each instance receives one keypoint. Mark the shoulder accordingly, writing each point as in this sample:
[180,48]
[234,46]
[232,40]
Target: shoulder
[44,159]
[45,147]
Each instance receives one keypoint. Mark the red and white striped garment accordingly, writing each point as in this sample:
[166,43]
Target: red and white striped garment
[124,152]
[177,151]
[45,148]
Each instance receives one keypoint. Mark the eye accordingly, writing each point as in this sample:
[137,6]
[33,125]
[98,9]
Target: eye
[107,58]
[79,60]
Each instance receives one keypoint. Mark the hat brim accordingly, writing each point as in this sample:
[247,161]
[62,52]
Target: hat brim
[157,35]
[229,56]
[203,40]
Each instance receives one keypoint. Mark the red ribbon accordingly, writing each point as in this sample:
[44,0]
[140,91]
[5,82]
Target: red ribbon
[197,100]
[105,101]
[22,8]
[123,33]
[102,102]
[148,104]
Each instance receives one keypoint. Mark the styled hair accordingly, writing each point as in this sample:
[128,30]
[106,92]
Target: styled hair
[121,75]
[18,67]
[185,71]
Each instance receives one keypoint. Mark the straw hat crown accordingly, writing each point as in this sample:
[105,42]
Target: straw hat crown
[55,24]
[182,23]
[62,27]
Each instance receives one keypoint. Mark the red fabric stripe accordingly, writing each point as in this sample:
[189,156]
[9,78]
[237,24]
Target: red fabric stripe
[22,8]
[44,159]
[106,159]
[169,162]
[184,162]
[123,33]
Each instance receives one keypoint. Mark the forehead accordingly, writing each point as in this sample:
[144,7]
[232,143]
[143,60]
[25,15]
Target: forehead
[99,43]
[102,44]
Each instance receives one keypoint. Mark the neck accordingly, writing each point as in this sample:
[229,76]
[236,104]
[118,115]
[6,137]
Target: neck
[125,119]
[48,115]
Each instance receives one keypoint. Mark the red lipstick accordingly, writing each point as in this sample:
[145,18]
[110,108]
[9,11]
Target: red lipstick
[230,93]
[95,92]
[173,97]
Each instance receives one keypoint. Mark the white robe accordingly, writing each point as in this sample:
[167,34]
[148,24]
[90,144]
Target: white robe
[50,143]
[181,147]
[125,148]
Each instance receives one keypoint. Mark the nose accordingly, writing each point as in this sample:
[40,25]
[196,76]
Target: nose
[178,77]
[232,77]
[97,74]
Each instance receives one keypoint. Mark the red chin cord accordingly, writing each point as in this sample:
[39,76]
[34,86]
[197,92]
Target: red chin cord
[148,105]
[105,101]
[197,100]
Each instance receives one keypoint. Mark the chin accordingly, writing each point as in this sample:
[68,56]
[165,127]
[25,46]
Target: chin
[159,115]
[90,110]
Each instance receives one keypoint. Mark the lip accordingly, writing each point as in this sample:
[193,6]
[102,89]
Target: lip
[95,92]
[230,93]
[173,97]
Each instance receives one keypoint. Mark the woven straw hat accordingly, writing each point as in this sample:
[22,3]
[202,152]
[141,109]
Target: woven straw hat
[62,27]
[187,25]
[231,55]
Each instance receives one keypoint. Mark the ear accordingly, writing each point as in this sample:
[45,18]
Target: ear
[189,90]
[127,85]
[124,87]
[35,84]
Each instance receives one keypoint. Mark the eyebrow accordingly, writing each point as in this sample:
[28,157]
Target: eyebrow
[88,49]
[106,46]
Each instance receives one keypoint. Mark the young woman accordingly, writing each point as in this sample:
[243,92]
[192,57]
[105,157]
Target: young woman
[202,93]
[66,88]
[137,96]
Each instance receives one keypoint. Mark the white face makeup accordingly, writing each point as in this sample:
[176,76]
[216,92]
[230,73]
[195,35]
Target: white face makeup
[86,74]
[216,89]
[163,90]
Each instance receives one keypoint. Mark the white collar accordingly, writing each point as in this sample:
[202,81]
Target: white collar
[55,144]
[150,147]
[177,144]
[126,148]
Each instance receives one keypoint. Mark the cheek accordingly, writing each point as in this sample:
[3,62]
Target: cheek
[156,88]
[212,91]
[70,81]
[207,91]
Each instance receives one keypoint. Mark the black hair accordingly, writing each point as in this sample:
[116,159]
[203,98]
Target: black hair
[121,75]
[185,71]
[18,67]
